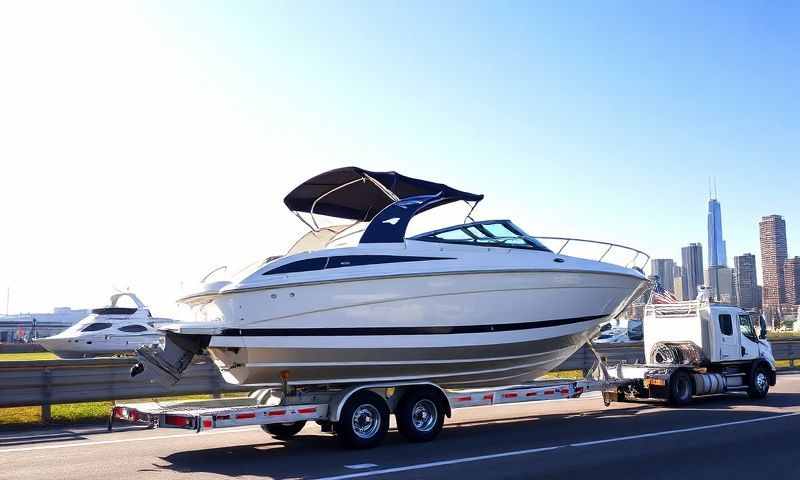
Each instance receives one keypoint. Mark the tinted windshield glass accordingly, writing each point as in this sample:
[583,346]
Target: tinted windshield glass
[493,233]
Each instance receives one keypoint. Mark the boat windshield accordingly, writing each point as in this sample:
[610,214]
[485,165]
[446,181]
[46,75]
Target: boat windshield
[501,233]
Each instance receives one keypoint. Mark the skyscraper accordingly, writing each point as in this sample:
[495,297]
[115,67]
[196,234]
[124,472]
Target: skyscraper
[791,272]
[692,270]
[664,269]
[772,231]
[746,281]
[717,256]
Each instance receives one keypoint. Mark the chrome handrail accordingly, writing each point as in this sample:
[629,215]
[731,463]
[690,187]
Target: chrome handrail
[632,263]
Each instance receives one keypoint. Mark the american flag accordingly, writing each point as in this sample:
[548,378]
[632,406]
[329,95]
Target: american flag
[660,295]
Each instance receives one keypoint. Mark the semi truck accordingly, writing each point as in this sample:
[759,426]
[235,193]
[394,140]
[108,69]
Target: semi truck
[691,349]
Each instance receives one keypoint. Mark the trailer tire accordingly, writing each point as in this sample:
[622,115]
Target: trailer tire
[680,388]
[420,415]
[758,386]
[364,420]
[284,431]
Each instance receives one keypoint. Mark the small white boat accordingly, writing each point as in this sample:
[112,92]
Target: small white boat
[111,330]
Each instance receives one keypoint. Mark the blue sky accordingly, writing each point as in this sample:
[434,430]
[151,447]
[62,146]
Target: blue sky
[588,114]
[594,119]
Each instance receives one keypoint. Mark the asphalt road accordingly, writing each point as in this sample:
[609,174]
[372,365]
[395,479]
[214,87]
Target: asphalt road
[721,437]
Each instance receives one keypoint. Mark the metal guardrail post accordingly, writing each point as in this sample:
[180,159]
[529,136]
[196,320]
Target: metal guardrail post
[46,413]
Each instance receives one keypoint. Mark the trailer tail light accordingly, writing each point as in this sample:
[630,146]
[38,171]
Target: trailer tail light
[530,394]
[464,399]
[276,413]
[510,395]
[307,410]
[207,423]
[244,416]
[177,420]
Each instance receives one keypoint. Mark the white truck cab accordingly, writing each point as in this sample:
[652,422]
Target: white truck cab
[721,333]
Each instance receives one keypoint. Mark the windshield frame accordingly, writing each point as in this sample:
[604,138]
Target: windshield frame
[530,243]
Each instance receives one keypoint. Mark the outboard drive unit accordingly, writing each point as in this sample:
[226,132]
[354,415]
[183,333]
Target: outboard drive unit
[166,363]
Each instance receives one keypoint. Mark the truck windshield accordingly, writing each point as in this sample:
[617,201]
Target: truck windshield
[746,326]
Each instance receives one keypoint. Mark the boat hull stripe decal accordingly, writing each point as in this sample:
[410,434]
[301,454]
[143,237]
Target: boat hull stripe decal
[441,330]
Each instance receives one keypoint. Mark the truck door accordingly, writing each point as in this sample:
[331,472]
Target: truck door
[748,338]
[729,347]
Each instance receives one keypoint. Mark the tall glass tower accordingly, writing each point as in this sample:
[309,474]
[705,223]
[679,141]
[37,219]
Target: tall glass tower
[717,257]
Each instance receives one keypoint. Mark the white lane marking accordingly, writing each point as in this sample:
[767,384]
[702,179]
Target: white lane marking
[72,433]
[441,463]
[455,461]
[683,430]
[360,466]
[124,440]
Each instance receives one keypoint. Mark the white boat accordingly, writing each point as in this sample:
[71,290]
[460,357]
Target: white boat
[110,330]
[473,305]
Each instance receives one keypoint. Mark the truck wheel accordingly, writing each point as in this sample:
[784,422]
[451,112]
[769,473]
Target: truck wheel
[680,388]
[759,383]
[364,420]
[284,431]
[420,415]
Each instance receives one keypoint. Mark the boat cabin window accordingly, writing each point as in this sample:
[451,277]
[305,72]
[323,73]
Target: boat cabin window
[132,328]
[498,233]
[93,327]
[307,265]
[114,311]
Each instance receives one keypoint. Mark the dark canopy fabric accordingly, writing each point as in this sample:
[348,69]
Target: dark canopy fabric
[363,200]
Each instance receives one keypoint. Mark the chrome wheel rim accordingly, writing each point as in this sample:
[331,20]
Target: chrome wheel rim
[761,381]
[424,415]
[366,421]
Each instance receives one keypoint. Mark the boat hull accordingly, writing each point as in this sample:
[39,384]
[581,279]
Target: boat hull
[459,331]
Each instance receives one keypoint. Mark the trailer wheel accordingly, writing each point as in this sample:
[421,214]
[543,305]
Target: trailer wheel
[284,431]
[759,382]
[680,388]
[364,420]
[420,415]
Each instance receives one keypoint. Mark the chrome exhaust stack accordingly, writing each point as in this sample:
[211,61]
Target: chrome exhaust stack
[164,364]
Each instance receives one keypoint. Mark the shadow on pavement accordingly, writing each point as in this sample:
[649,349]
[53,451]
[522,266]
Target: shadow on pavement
[314,454]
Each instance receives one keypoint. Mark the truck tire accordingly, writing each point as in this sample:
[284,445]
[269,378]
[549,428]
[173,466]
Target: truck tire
[364,420]
[420,415]
[680,388]
[758,385]
[284,431]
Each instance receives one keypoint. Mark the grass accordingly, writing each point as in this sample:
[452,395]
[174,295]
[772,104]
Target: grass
[19,357]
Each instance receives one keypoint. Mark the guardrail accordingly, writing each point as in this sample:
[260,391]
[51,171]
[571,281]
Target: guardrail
[21,348]
[46,382]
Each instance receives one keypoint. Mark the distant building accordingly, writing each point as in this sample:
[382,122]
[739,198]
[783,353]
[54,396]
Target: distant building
[720,279]
[717,256]
[791,272]
[746,281]
[772,231]
[676,272]
[734,295]
[692,269]
[19,327]
[678,288]
[664,269]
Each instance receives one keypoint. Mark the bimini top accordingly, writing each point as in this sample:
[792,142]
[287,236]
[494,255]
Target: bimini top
[357,194]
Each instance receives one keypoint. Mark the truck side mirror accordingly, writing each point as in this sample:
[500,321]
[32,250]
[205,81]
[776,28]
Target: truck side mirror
[762,324]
